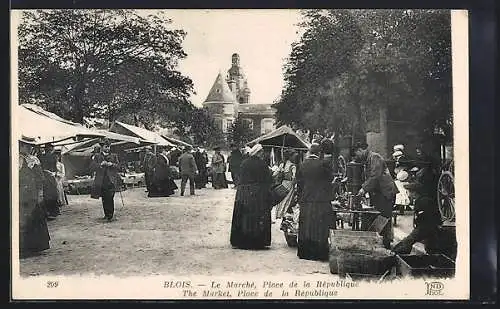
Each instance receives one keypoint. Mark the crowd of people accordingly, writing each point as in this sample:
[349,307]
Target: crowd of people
[305,184]
[308,186]
[41,194]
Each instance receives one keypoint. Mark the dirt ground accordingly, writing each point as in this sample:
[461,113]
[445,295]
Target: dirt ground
[154,236]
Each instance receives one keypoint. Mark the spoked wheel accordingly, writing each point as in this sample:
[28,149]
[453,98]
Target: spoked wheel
[342,166]
[446,196]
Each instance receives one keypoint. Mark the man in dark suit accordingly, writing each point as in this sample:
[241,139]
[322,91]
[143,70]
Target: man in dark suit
[379,184]
[201,162]
[106,165]
[188,170]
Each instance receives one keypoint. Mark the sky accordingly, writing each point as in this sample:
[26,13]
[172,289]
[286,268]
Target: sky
[262,38]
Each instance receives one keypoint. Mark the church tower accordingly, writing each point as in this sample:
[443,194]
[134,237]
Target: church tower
[237,81]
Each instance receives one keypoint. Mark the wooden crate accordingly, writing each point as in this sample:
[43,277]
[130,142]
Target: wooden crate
[355,240]
[425,265]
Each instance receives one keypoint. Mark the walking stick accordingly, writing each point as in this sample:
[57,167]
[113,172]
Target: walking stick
[121,197]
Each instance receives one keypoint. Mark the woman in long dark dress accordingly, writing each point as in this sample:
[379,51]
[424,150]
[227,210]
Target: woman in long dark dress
[251,224]
[33,231]
[163,182]
[314,190]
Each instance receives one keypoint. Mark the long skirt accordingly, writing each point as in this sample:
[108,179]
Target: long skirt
[282,206]
[314,227]
[219,181]
[162,188]
[50,195]
[251,224]
[33,231]
[61,195]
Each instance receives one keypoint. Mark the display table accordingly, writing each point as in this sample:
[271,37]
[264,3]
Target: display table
[358,215]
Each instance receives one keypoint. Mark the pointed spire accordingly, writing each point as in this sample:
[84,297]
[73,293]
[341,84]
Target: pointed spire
[220,91]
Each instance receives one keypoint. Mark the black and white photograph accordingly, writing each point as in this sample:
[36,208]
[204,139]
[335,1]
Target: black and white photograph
[239,154]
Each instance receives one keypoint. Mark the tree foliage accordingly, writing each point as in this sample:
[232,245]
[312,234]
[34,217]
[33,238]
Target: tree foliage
[240,132]
[202,129]
[115,64]
[349,63]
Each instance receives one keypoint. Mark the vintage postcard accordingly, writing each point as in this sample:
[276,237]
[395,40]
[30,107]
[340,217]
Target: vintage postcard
[240,154]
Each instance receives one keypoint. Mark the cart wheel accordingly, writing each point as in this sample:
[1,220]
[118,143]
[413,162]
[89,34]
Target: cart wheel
[446,196]
[291,240]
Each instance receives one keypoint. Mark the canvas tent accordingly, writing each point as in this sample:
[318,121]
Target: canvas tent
[176,141]
[76,158]
[283,137]
[33,121]
[150,136]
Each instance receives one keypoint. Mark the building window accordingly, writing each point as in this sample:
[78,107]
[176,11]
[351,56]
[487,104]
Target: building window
[248,122]
[229,124]
[267,125]
[218,123]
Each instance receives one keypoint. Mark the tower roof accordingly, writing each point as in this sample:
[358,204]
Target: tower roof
[220,91]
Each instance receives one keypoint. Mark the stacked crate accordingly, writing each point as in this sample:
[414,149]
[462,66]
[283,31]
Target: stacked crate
[359,253]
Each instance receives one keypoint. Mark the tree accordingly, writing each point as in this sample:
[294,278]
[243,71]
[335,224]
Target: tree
[108,63]
[350,64]
[240,132]
[202,129]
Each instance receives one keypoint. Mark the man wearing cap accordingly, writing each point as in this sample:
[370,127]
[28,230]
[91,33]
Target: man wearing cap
[427,216]
[106,180]
[379,184]
[314,191]
[188,170]
[33,231]
[148,166]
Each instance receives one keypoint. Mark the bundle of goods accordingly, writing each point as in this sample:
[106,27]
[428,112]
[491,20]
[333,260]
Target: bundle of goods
[359,253]
[290,226]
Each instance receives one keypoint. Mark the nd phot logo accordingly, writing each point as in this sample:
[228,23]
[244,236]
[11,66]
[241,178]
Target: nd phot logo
[434,288]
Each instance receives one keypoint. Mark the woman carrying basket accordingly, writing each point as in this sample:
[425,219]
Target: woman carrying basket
[288,168]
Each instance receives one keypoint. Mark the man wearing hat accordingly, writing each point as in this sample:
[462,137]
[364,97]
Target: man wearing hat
[33,231]
[148,166]
[379,184]
[106,180]
[188,170]
[201,163]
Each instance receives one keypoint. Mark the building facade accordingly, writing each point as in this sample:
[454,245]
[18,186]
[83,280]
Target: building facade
[229,98]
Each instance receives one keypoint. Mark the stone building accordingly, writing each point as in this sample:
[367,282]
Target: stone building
[229,98]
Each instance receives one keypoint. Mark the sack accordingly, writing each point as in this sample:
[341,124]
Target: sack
[278,193]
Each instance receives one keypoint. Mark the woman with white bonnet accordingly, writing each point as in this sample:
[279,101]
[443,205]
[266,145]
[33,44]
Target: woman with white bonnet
[251,223]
